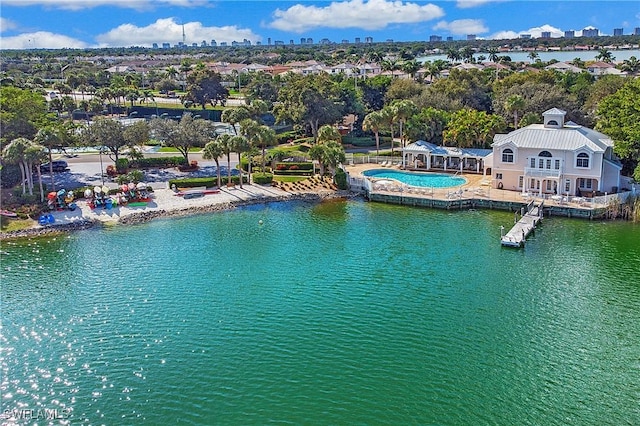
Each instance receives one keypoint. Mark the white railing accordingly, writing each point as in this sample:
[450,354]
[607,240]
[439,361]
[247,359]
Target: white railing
[372,159]
[550,173]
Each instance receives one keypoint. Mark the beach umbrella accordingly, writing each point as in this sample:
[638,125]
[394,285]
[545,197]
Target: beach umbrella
[97,189]
[141,186]
[87,193]
[51,195]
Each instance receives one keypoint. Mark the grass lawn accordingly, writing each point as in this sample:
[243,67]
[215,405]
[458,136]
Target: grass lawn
[15,224]
[289,178]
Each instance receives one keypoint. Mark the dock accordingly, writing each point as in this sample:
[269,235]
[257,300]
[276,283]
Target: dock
[517,236]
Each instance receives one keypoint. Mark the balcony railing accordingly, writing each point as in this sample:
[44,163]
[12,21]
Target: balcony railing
[542,173]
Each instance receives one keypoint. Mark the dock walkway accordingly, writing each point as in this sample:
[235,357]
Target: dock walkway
[527,223]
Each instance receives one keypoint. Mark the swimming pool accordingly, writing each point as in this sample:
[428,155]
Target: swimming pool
[429,180]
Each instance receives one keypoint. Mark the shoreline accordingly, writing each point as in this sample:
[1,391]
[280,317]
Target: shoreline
[166,205]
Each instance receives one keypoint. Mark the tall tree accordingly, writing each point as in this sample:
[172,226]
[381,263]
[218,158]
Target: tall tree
[404,110]
[374,121]
[50,137]
[23,112]
[514,104]
[240,144]
[205,87]
[183,134]
[213,150]
[619,117]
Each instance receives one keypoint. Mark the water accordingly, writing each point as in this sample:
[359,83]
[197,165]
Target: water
[563,56]
[428,180]
[340,313]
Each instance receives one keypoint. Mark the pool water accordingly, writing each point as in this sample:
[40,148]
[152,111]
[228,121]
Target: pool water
[429,180]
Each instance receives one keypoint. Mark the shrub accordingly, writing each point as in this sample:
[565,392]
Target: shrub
[262,178]
[10,175]
[194,182]
[122,165]
[144,163]
[340,179]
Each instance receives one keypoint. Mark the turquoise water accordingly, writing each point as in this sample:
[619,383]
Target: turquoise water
[429,180]
[339,313]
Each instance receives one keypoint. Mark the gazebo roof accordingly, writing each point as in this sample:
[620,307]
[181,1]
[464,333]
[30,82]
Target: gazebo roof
[423,147]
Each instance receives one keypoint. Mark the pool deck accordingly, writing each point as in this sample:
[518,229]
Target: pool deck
[475,193]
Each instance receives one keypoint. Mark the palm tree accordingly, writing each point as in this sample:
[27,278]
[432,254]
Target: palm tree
[404,109]
[411,67]
[14,153]
[226,146]
[265,137]
[34,155]
[240,144]
[50,138]
[373,122]
[631,65]
[453,55]
[493,54]
[514,104]
[171,72]
[213,150]
[533,56]
[389,116]
[605,55]
[234,116]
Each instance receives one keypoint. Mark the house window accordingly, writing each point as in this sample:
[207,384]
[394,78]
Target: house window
[549,164]
[557,164]
[567,185]
[498,175]
[584,183]
[507,156]
[541,163]
[520,181]
[552,123]
[582,160]
[549,185]
[545,154]
[533,163]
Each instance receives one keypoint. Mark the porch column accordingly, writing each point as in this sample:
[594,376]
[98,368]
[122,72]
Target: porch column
[444,162]
[478,165]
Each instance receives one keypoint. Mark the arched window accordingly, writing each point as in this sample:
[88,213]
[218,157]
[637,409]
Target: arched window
[507,156]
[545,154]
[552,123]
[582,160]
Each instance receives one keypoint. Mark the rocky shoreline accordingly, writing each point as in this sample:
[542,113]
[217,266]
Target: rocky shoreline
[146,216]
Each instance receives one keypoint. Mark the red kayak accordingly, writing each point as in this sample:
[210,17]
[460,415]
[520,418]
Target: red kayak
[7,213]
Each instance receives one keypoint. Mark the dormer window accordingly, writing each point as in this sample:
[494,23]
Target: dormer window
[552,123]
[507,156]
[582,160]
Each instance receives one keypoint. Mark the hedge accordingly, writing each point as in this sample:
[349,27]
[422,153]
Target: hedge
[208,182]
[144,163]
[262,178]
[293,172]
[296,166]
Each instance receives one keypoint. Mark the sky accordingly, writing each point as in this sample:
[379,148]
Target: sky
[34,24]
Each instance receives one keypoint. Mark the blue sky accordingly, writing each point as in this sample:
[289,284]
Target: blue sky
[28,24]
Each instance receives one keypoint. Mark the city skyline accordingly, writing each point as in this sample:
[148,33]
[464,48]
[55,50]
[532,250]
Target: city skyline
[33,24]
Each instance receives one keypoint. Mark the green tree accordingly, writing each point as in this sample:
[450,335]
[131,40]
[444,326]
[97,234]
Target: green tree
[404,110]
[205,87]
[114,136]
[428,124]
[374,122]
[471,128]
[226,145]
[619,118]
[34,155]
[605,55]
[15,153]
[22,113]
[50,137]
[213,150]
[184,134]
[240,144]
[513,105]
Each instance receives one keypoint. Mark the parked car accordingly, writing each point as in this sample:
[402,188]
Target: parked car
[58,166]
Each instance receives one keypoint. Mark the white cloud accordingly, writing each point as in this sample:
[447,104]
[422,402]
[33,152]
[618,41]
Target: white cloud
[168,31]
[367,15]
[466,4]
[462,26]
[42,40]
[6,25]
[535,32]
[89,4]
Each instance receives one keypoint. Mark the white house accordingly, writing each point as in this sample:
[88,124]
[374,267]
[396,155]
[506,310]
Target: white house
[555,158]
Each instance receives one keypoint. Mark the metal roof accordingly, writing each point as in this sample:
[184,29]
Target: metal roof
[569,138]
[424,147]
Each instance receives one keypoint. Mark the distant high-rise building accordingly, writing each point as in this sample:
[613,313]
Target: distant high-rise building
[269,41]
[345,41]
[590,32]
[213,43]
[450,38]
[325,41]
[617,31]
[290,42]
[194,44]
[368,40]
[569,34]
[545,34]
[204,43]
[154,45]
[309,40]
[223,44]
[303,40]
[636,31]
[434,38]
[357,40]
[258,43]
[166,45]
[525,36]
[279,42]
[389,40]
[471,36]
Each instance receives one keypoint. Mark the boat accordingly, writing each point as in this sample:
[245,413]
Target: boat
[7,213]
[196,193]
